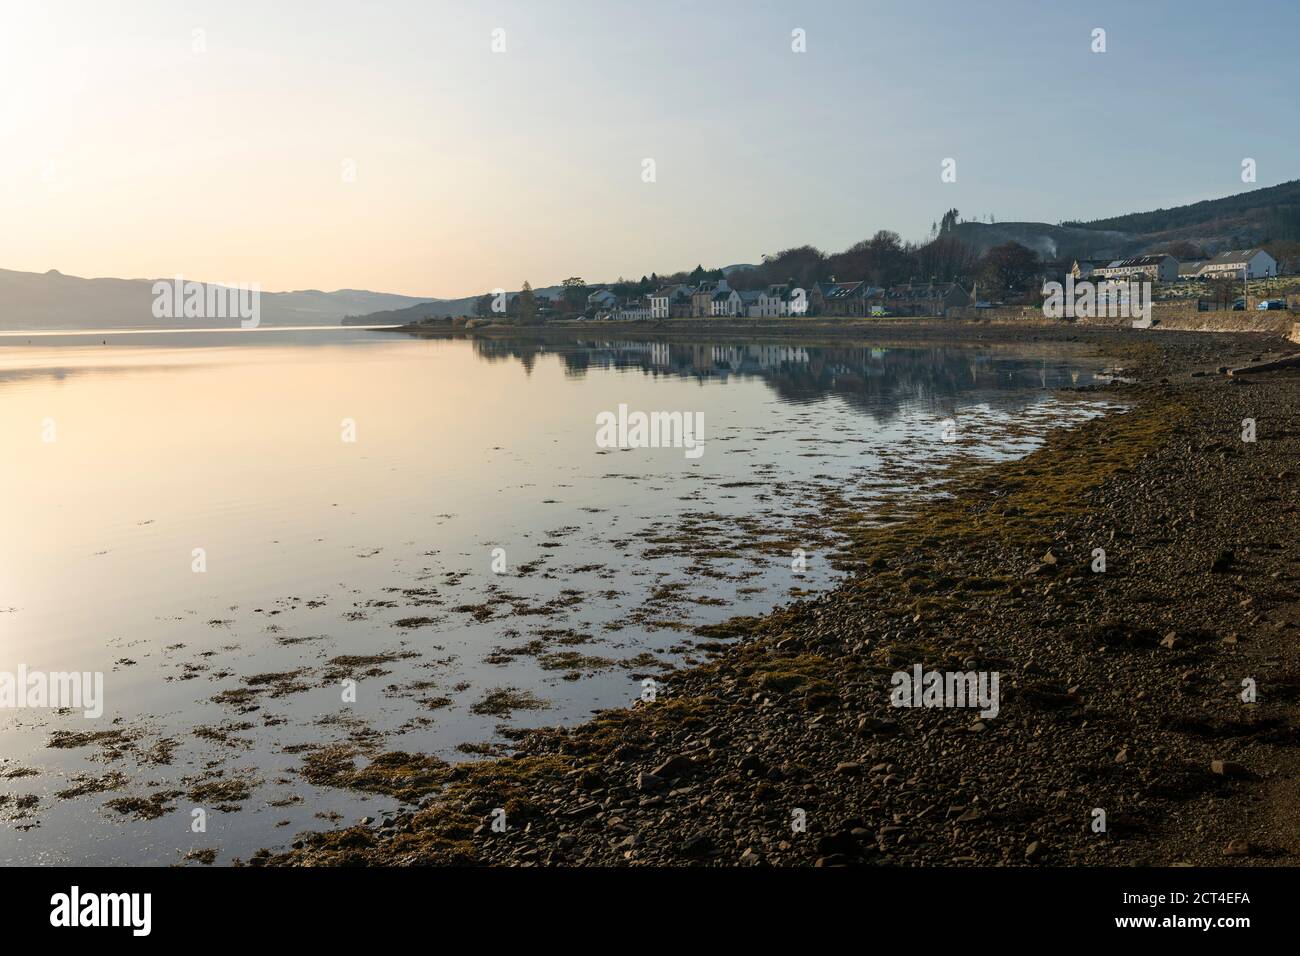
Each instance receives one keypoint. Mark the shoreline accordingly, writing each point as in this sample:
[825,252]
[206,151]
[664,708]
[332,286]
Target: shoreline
[1115,696]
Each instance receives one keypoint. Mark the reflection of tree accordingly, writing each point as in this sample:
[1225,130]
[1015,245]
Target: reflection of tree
[880,382]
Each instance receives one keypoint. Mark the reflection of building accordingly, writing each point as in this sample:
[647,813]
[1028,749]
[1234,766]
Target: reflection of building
[880,381]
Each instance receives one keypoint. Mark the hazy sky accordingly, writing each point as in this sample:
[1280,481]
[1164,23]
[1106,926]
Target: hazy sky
[124,151]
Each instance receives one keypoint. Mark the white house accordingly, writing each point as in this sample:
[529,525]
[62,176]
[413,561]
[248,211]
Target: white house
[633,310]
[602,299]
[726,302]
[659,304]
[670,302]
[1253,263]
[774,302]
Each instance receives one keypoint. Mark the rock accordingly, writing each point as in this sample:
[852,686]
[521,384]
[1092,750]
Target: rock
[837,844]
[649,783]
[1170,640]
[751,762]
[1122,756]
[1223,561]
[970,816]
[1226,768]
[835,859]
[1033,851]
[750,857]
[1237,848]
[1049,559]
[673,767]
[698,845]
[848,768]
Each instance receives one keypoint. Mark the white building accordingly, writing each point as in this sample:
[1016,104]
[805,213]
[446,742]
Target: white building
[633,310]
[726,302]
[1253,263]
[774,302]
[670,301]
[602,299]
[1161,268]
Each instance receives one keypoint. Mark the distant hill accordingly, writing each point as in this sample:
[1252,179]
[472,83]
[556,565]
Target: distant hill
[52,300]
[1215,225]
[1269,213]
[429,309]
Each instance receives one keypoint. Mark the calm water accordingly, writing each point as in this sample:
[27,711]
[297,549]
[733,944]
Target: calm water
[372,559]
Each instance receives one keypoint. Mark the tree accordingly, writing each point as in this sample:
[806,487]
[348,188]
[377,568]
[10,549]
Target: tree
[575,294]
[1010,267]
[525,305]
[948,220]
[946,259]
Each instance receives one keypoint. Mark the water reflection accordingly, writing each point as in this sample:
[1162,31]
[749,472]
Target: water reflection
[878,380]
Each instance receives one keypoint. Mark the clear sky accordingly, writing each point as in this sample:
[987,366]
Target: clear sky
[131,146]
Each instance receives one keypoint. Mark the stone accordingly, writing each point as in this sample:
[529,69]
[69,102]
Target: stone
[649,782]
[674,766]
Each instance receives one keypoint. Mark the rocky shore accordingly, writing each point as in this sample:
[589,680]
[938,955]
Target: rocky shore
[1122,736]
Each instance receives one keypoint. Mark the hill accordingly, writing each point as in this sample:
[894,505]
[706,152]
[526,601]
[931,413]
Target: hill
[52,300]
[1255,216]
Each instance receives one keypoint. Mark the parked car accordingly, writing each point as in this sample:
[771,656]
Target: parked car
[1239,305]
[1268,304]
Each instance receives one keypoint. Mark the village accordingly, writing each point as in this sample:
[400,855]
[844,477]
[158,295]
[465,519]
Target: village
[1212,284]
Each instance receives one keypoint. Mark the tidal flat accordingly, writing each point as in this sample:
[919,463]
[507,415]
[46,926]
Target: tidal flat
[1148,713]
[474,565]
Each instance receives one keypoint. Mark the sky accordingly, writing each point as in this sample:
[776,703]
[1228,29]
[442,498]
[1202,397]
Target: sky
[388,146]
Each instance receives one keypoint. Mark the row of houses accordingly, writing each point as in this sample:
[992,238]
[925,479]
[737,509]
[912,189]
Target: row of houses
[1233,264]
[717,299]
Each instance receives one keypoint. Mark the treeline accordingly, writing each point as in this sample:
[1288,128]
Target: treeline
[1008,271]
[883,260]
[1275,209]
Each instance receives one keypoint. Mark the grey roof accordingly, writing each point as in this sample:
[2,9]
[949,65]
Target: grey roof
[1233,256]
[1133,261]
